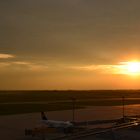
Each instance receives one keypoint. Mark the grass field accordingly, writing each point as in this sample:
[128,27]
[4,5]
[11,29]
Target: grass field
[17,102]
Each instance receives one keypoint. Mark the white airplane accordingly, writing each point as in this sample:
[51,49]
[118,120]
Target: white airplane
[65,125]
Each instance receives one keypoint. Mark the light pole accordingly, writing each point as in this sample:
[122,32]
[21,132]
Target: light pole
[123,103]
[73,109]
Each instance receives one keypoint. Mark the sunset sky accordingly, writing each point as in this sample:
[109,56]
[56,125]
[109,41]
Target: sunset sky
[69,44]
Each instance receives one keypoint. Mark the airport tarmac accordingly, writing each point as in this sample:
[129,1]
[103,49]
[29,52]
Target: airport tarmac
[123,134]
[12,127]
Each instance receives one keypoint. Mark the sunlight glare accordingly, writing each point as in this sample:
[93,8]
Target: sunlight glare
[131,68]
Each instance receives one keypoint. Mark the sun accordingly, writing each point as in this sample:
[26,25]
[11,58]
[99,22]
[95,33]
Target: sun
[131,68]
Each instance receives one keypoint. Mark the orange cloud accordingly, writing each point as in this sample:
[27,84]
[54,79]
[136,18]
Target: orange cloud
[23,65]
[5,56]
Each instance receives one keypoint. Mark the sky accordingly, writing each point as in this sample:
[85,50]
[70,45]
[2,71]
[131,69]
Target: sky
[68,44]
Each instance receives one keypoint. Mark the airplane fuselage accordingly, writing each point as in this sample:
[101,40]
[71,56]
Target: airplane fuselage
[57,124]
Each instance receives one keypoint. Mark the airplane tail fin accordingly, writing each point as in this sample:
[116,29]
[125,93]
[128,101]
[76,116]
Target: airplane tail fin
[43,116]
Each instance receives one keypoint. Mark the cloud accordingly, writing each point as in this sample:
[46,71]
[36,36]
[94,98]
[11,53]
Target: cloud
[4,64]
[32,66]
[102,69]
[23,65]
[6,56]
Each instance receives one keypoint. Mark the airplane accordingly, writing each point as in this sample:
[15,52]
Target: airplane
[66,126]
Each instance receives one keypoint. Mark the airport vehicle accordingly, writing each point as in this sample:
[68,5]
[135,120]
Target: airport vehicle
[65,125]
